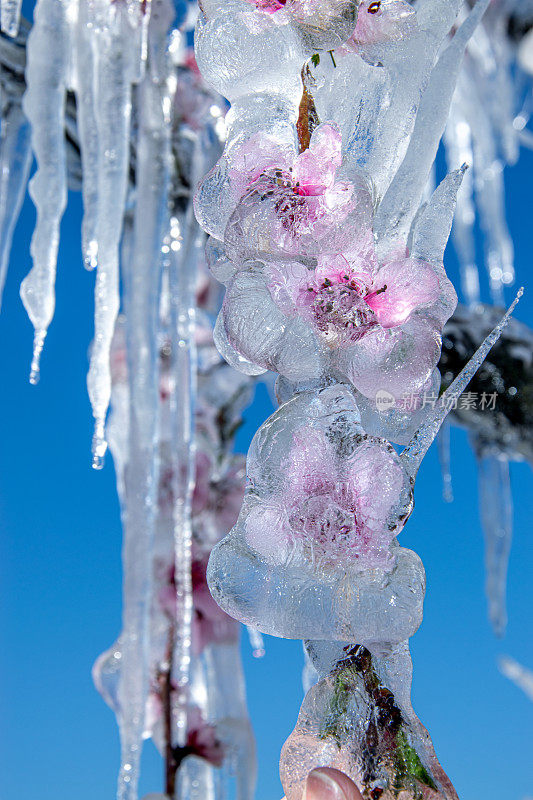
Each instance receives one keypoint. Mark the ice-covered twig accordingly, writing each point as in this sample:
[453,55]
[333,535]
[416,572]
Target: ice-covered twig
[183,257]
[415,451]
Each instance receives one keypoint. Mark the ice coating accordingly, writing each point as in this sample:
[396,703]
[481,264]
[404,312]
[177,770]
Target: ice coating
[141,270]
[189,501]
[206,718]
[354,313]
[349,257]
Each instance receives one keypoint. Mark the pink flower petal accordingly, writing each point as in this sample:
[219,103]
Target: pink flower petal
[401,286]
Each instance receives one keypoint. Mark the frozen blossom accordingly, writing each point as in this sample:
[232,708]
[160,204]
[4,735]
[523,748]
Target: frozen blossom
[293,204]
[327,509]
[354,312]
[381,21]
[312,519]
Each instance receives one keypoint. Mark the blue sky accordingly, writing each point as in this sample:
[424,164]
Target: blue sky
[60,575]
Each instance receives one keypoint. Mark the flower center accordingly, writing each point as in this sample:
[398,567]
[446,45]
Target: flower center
[323,522]
[340,309]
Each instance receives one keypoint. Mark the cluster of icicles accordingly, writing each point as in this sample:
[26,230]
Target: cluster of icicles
[330,246]
[146,128]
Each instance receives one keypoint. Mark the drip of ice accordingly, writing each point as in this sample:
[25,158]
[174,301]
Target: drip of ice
[496,505]
[518,674]
[257,643]
[457,138]
[15,146]
[415,451]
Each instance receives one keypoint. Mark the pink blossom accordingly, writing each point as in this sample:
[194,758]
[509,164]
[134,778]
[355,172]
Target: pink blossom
[269,6]
[335,505]
[348,296]
[383,21]
[210,625]
[202,739]
[217,494]
[293,203]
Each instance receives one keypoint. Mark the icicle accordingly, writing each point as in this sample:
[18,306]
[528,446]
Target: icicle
[47,69]
[499,250]
[519,675]
[415,451]
[400,204]
[496,507]
[85,86]
[186,245]
[15,149]
[257,643]
[443,441]
[115,67]
[458,140]
[10,16]
[142,281]
[431,228]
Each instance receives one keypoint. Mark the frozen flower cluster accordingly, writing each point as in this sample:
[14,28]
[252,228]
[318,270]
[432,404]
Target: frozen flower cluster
[331,251]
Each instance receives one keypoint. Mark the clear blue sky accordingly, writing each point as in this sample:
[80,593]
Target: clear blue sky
[60,576]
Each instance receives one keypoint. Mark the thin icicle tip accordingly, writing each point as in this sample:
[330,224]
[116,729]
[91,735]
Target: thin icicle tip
[99,445]
[420,443]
